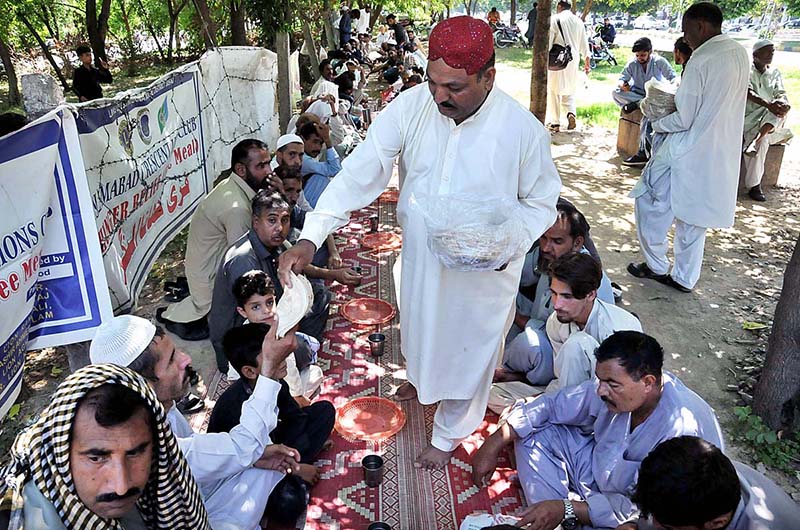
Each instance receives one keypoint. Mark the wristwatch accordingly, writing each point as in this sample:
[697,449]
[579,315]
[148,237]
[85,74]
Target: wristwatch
[570,521]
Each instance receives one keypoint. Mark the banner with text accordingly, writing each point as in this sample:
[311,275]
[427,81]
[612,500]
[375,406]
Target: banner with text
[152,154]
[52,285]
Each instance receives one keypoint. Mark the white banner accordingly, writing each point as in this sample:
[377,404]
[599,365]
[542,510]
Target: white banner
[152,154]
[52,286]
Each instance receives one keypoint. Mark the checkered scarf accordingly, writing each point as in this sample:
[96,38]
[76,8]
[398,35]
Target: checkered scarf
[171,499]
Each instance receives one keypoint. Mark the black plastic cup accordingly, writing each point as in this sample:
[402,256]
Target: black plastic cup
[373,223]
[373,470]
[377,342]
[379,525]
[356,269]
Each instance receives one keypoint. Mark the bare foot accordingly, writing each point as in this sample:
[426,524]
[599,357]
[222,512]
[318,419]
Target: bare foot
[404,392]
[432,458]
[308,473]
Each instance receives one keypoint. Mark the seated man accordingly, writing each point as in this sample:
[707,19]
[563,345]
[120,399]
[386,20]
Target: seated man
[101,455]
[646,66]
[324,85]
[305,429]
[317,175]
[607,31]
[259,249]
[288,153]
[328,255]
[686,482]
[764,116]
[222,217]
[255,302]
[587,442]
[243,464]
[580,321]
[528,355]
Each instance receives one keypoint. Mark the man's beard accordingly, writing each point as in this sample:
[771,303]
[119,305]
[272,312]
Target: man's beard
[543,265]
[253,182]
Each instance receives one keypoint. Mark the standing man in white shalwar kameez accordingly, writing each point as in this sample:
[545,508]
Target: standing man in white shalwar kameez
[692,179]
[589,440]
[562,84]
[458,134]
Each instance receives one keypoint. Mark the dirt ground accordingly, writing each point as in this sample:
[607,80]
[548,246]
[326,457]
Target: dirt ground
[701,332]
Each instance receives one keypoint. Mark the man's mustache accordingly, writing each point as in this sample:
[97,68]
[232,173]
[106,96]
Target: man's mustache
[192,375]
[112,497]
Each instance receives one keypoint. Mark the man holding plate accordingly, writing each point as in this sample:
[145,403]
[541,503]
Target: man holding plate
[457,135]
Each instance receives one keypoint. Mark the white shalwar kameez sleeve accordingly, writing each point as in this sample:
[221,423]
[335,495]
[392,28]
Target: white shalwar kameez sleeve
[693,177]
[573,347]
[452,333]
[234,492]
[570,442]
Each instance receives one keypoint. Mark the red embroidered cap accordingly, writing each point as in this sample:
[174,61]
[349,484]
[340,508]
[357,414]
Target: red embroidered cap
[463,42]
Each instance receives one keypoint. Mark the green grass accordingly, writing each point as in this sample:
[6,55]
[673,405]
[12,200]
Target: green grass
[599,114]
[516,57]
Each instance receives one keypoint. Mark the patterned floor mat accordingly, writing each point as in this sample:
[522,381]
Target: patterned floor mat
[408,498]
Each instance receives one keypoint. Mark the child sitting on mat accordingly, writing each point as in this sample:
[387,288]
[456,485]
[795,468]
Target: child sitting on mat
[255,302]
[306,429]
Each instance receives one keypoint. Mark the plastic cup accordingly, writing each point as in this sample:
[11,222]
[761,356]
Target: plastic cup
[356,269]
[377,342]
[373,472]
[373,223]
[379,525]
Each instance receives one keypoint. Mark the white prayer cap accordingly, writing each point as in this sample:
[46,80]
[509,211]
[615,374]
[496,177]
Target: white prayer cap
[763,43]
[391,42]
[121,340]
[287,139]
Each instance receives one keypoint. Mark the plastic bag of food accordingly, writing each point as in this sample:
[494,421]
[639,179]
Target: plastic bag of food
[659,100]
[472,233]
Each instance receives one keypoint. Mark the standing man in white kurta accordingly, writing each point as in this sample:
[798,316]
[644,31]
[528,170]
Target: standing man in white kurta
[693,177]
[562,84]
[458,134]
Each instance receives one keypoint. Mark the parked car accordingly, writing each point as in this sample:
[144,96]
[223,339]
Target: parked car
[793,24]
[644,22]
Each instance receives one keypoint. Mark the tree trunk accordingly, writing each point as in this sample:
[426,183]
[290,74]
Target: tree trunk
[778,389]
[513,13]
[312,47]
[45,50]
[149,25]
[284,86]
[327,22]
[129,43]
[586,8]
[238,33]
[209,29]
[97,27]
[467,4]
[541,38]
[14,98]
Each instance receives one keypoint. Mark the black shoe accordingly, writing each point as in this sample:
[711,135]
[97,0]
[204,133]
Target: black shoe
[195,330]
[160,315]
[190,404]
[670,282]
[637,160]
[641,270]
[630,107]
[757,194]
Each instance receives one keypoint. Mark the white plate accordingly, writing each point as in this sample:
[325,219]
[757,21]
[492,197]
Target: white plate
[294,304]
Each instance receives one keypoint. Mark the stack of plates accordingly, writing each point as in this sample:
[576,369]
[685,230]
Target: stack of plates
[295,303]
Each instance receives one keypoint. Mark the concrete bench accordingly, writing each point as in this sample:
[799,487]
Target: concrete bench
[772,168]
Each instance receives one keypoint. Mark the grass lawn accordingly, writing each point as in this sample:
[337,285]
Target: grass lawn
[791,82]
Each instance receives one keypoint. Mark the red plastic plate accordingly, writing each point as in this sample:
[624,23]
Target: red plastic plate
[368,311]
[369,418]
[382,241]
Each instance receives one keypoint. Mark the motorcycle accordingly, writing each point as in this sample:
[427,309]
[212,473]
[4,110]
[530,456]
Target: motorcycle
[600,52]
[506,36]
